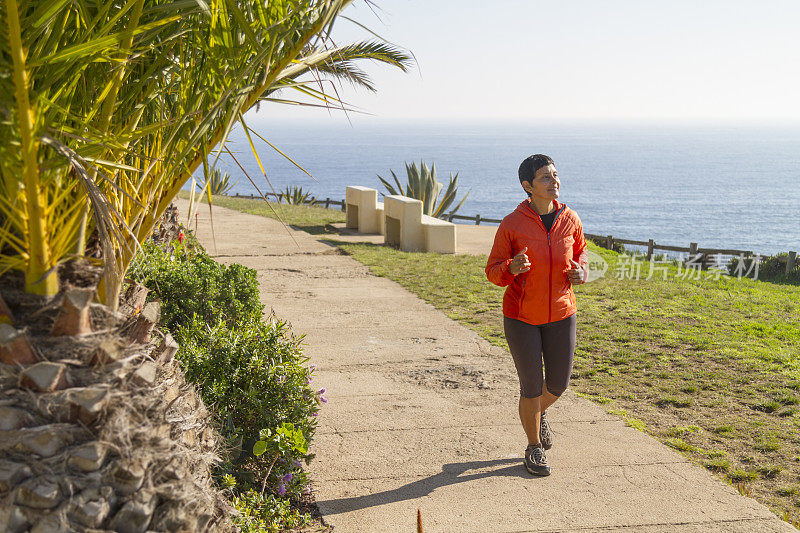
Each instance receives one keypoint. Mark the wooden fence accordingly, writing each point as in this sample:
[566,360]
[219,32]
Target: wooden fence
[327,202]
[606,241]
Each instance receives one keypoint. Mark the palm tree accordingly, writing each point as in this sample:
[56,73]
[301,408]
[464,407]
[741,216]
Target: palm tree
[108,108]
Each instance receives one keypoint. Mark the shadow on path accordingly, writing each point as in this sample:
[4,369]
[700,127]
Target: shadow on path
[451,474]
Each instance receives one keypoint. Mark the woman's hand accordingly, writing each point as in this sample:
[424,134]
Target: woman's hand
[520,263]
[575,274]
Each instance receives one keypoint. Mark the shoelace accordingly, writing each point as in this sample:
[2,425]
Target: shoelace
[537,454]
[545,427]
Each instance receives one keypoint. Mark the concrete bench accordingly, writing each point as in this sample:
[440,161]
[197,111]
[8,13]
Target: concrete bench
[410,230]
[364,211]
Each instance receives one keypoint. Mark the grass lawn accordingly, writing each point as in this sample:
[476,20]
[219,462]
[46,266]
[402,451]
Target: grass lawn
[710,367]
[311,219]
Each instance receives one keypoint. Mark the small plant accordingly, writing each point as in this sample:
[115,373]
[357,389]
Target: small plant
[285,442]
[789,490]
[768,444]
[719,464]
[294,195]
[679,444]
[742,476]
[680,431]
[724,431]
[423,185]
[674,401]
[770,471]
[218,183]
[768,406]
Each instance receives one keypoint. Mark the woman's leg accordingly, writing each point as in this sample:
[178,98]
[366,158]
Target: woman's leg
[558,351]
[525,345]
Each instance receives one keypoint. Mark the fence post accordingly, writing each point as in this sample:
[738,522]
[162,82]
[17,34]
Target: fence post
[477,220]
[790,262]
[610,242]
[344,205]
[327,203]
[650,248]
[692,248]
[450,217]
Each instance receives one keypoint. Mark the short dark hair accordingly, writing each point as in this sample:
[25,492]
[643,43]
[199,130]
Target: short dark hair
[528,168]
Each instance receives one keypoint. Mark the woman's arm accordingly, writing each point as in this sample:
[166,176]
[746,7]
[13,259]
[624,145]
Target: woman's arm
[579,253]
[497,267]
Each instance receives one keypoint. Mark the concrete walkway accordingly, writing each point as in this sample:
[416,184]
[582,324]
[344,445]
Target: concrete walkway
[422,415]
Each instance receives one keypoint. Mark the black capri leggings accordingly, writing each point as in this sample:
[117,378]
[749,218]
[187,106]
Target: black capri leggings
[554,341]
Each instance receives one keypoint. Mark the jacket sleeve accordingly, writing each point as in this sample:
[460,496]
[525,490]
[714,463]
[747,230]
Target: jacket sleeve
[579,250]
[500,257]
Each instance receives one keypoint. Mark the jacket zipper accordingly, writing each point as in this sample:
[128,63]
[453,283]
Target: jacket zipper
[550,279]
[550,273]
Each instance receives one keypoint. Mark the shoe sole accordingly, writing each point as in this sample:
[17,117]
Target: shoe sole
[536,473]
[547,446]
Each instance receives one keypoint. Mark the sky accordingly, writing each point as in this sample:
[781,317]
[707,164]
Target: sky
[576,60]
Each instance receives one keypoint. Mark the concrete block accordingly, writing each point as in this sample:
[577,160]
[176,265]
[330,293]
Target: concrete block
[363,210]
[412,231]
[404,223]
[440,235]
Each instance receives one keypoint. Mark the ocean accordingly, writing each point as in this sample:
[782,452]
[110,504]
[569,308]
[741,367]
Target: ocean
[722,186]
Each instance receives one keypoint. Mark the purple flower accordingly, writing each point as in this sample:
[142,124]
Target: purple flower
[321,391]
[281,489]
[287,477]
[314,414]
[281,380]
[323,399]
[296,463]
[312,368]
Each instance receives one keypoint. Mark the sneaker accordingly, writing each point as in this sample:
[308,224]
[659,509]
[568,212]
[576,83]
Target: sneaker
[545,435]
[535,461]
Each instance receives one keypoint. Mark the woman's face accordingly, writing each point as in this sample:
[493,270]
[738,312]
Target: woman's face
[545,184]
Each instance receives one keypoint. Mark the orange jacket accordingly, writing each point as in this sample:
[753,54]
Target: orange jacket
[544,293]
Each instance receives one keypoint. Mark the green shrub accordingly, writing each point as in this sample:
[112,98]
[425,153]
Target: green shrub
[266,513]
[189,282]
[250,372]
[254,377]
[770,268]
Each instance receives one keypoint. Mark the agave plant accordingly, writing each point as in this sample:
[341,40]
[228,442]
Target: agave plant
[423,185]
[107,108]
[218,183]
[295,195]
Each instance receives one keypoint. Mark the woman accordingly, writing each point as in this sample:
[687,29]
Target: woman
[539,252]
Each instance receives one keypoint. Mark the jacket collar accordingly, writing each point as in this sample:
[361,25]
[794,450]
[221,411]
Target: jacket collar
[525,209]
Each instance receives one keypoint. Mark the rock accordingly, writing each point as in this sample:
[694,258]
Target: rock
[44,377]
[170,394]
[73,318]
[13,418]
[166,350]
[92,506]
[145,322]
[52,523]
[45,441]
[87,403]
[127,477]
[38,493]
[12,473]
[13,519]
[88,457]
[135,516]
[146,374]
[15,348]
[109,351]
